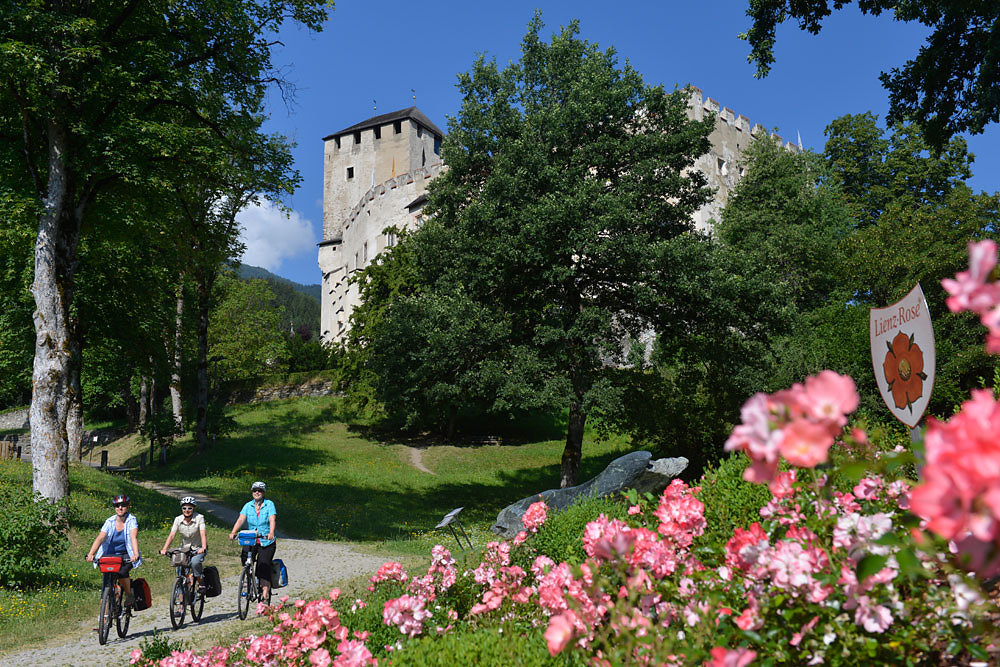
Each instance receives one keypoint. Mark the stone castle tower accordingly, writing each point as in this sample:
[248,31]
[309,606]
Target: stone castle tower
[375,175]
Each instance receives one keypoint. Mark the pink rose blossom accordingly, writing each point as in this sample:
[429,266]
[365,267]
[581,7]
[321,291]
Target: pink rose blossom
[559,633]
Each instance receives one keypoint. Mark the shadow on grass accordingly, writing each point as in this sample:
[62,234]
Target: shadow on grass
[473,430]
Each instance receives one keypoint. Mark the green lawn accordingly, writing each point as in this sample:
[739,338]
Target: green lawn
[334,481]
[69,600]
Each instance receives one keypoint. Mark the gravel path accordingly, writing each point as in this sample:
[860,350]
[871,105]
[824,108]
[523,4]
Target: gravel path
[311,566]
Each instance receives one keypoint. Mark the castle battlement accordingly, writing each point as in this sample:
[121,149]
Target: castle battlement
[698,105]
[419,176]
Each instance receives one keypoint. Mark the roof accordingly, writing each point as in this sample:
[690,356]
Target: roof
[413,113]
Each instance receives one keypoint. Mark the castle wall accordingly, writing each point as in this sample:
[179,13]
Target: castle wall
[364,235]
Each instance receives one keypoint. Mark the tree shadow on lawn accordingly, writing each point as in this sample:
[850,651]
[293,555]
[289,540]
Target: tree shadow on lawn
[474,429]
[315,510]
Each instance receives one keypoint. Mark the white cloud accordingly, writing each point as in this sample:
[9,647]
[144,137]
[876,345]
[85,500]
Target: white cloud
[272,236]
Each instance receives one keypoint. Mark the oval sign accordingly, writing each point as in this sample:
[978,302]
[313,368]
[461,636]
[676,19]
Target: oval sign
[903,355]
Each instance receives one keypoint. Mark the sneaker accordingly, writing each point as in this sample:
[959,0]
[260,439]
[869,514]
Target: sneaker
[128,600]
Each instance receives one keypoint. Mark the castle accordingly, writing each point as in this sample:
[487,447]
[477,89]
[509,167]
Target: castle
[375,177]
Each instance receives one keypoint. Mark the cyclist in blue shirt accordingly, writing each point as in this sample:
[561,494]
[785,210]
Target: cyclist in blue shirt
[260,515]
[117,537]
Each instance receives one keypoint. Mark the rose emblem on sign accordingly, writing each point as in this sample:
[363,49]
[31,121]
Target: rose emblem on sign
[904,370]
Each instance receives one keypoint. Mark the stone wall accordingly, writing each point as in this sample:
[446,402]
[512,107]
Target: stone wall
[14,419]
[309,388]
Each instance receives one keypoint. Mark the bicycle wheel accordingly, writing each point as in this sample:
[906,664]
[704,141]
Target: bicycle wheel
[197,603]
[178,604]
[245,593]
[122,620]
[104,614]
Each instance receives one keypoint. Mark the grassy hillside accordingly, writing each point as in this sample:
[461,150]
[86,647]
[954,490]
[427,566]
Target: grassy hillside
[334,481]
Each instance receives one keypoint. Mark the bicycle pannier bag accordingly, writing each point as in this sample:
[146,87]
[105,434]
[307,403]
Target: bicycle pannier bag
[181,558]
[213,583]
[110,564]
[279,574]
[143,596]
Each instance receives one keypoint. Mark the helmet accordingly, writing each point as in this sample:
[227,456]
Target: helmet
[258,485]
[118,500]
[188,500]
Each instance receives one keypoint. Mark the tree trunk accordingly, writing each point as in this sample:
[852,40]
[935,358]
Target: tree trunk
[201,395]
[143,402]
[570,466]
[131,406]
[175,367]
[74,417]
[52,288]
[452,425]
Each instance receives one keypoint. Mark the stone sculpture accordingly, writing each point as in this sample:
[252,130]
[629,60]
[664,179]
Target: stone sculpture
[635,470]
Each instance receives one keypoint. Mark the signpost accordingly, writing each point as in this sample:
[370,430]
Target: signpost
[903,357]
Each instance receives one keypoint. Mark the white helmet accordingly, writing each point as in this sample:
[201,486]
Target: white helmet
[258,485]
[188,500]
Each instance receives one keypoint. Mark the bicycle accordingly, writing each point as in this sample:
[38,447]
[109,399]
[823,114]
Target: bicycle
[250,588]
[185,593]
[111,600]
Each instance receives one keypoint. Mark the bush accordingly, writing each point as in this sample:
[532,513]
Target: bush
[32,535]
[504,645]
[729,500]
[156,647]
[559,536]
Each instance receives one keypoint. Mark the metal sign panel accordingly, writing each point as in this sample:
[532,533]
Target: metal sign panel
[903,355]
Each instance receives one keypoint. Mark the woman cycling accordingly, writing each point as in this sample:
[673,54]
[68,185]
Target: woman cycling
[261,517]
[191,526]
[119,537]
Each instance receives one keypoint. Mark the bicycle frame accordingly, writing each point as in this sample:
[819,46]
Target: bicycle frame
[184,592]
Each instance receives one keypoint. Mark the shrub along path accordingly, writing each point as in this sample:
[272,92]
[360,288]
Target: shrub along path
[312,566]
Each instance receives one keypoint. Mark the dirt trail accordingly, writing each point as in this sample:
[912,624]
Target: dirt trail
[311,565]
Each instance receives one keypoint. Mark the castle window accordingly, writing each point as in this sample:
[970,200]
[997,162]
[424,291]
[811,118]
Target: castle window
[378,132]
[356,265]
[423,156]
[437,145]
[420,131]
[397,127]
[722,167]
[357,137]
[365,256]
[350,173]
[390,239]
[336,140]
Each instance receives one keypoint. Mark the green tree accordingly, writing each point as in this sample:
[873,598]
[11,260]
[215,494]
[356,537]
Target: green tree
[952,85]
[567,177]
[244,335]
[92,97]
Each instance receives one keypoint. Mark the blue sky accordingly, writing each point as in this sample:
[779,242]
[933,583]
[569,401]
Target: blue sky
[380,51]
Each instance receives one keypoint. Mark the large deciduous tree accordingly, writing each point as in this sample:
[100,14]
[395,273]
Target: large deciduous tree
[95,92]
[567,178]
[952,85]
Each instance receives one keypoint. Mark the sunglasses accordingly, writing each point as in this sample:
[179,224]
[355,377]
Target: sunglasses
[121,505]
[187,509]
[257,491]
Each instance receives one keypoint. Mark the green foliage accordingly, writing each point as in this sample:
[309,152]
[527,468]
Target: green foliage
[567,177]
[507,644]
[32,535]
[948,87]
[16,304]
[301,302]
[730,501]
[244,330]
[157,646]
[559,537]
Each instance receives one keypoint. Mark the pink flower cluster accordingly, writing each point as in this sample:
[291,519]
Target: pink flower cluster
[535,516]
[799,424]
[959,495]
[406,613]
[977,290]
[388,571]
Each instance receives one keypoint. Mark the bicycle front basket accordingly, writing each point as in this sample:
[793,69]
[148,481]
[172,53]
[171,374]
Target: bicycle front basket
[181,558]
[110,564]
[247,538]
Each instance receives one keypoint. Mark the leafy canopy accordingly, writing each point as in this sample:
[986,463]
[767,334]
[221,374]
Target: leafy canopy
[952,85]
